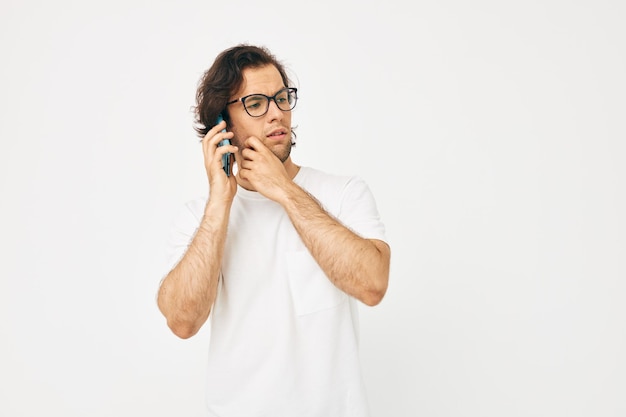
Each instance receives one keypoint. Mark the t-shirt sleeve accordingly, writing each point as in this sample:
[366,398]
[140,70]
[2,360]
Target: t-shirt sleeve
[182,231]
[358,210]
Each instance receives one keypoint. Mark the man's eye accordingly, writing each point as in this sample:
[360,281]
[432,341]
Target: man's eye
[254,102]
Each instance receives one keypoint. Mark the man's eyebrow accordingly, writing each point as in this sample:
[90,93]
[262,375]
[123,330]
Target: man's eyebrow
[261,94]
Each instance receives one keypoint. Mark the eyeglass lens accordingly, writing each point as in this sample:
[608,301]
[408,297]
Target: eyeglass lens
[257,104]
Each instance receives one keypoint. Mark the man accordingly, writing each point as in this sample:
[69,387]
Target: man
[276,256]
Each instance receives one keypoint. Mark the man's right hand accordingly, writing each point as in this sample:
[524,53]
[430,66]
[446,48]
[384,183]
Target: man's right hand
[221,185]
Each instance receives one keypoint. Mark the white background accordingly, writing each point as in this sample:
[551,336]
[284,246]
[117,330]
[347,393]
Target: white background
[491,133]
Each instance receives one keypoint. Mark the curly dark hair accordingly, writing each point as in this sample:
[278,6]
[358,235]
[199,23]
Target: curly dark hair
[224,78]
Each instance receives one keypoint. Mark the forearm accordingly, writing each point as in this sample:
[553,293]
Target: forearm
[187,293]
[357,266]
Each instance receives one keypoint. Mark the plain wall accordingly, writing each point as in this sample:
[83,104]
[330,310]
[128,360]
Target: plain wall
[491,134]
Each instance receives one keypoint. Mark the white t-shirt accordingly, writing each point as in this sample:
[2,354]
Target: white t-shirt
[283,338]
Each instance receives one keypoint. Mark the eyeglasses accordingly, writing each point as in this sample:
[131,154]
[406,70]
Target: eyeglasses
[256,105]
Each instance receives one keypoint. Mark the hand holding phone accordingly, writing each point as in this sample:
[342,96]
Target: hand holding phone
[226,157]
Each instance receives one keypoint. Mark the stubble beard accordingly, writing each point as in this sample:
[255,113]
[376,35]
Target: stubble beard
[281,151]
[284,152]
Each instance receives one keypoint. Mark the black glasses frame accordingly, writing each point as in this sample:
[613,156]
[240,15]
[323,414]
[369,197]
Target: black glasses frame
[290,91]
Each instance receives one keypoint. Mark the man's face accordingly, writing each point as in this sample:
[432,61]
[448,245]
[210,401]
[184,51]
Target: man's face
[274,127]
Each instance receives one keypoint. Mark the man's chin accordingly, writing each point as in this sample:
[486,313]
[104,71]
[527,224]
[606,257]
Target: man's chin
[282,152]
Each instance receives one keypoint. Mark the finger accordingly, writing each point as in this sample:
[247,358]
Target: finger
[212,131]
[218,137]
[254,143]
[210,146]
[238,159]
[224,149]
[216,132]
[248,154]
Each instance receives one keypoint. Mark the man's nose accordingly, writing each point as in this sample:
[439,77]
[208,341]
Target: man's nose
[273,111]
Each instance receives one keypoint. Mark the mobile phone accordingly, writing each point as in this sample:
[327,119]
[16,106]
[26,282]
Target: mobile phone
[226,157]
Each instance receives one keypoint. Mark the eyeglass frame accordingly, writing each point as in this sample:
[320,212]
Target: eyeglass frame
[268,98]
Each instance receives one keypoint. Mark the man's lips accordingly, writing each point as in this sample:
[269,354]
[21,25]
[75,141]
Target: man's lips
[277,134]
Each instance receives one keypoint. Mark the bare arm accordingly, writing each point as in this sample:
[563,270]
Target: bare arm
[357,266]
[187,293]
